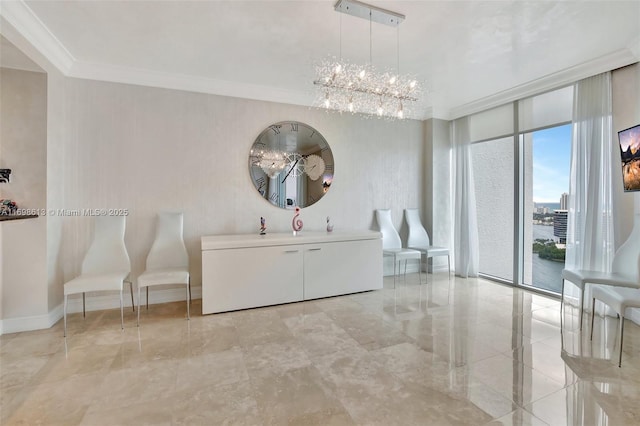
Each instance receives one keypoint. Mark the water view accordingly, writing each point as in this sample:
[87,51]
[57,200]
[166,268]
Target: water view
[546,273]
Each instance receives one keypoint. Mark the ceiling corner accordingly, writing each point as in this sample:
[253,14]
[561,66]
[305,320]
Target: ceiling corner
[617,59]
[22,18]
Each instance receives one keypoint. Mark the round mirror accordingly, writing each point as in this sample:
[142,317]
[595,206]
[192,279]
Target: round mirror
[291,165]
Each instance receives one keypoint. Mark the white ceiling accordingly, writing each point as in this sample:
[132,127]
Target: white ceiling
[468,54]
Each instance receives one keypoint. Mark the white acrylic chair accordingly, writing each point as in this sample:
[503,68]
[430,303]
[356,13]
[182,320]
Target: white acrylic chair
[106,265]
[392,244]
[168,261]
[419,239]
[625,270]
[618,299]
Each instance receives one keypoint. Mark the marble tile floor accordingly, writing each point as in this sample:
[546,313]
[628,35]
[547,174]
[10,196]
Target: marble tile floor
[466,352]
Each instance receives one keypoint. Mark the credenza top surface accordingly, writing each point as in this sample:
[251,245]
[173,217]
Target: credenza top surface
[218,242]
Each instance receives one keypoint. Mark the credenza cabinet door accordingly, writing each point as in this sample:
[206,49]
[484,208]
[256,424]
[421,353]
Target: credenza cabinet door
[345,267]
[251,277]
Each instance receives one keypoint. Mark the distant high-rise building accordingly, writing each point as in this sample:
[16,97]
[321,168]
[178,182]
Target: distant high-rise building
[564,201]
[560,225]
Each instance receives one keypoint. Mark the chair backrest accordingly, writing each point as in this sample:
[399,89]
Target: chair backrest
[418,236]
[390,237]
[626,261]
[168,249]
[107,252]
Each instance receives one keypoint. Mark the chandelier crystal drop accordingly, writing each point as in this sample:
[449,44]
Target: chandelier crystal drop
[360,88]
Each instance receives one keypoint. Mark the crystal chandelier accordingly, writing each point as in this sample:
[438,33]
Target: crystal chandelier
[347,87]
[272,162]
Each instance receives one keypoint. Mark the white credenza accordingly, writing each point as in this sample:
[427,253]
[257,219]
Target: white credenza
[247,271]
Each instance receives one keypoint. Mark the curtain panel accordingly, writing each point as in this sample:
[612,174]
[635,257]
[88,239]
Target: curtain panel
[590,235]
[466,245]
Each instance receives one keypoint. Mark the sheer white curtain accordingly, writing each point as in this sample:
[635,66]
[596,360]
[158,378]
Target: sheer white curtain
[466,254]
[590,237]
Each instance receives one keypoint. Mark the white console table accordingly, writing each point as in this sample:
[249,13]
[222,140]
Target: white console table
[247,271]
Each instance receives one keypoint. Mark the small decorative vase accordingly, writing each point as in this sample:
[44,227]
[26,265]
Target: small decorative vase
[263,226]
[296,223]
[329,225]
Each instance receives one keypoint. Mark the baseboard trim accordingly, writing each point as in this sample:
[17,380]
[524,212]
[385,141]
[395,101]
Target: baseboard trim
[30,323]
[95,302]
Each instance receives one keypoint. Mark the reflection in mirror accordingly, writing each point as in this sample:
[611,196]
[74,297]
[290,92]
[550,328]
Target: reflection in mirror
[291,164]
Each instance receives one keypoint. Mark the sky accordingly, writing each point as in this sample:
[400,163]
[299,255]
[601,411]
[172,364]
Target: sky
[630,137]
[551,163]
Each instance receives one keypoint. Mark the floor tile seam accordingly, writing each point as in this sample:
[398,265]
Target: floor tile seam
[534,416]
[544,374]
[510,397]
[536,370]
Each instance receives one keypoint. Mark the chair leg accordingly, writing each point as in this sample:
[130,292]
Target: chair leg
[420,271]
[426,268]
[138,324]
[84,311]
[147,298]
[65,315]
[561,305]
[593,314]
[581,306]
[621,338]
[394,271]
[121,311]
[188,298]
[449,265]
[133,305]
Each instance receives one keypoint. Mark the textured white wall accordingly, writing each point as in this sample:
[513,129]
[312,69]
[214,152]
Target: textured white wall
[148,149]
[438,206]
[23,113]
[24,135]
[56,154]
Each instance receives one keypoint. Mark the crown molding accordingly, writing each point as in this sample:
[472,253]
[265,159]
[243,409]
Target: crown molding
[617,59]
[22,18]
[191,83]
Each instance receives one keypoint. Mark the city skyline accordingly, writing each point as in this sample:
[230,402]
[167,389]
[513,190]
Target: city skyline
[551,163]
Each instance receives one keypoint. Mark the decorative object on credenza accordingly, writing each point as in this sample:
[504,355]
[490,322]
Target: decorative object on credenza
[329,225]
[263,226]
[296,223]
[7,207]
[289,164]
[5,175]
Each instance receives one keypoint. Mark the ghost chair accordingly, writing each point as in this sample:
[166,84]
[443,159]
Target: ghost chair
[625,270]
[419,239]
[618,299]
[168,261]
[106,265]
[392,244]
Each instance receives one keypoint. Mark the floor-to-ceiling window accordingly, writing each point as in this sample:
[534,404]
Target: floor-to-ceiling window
[547,154]
[521,155]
